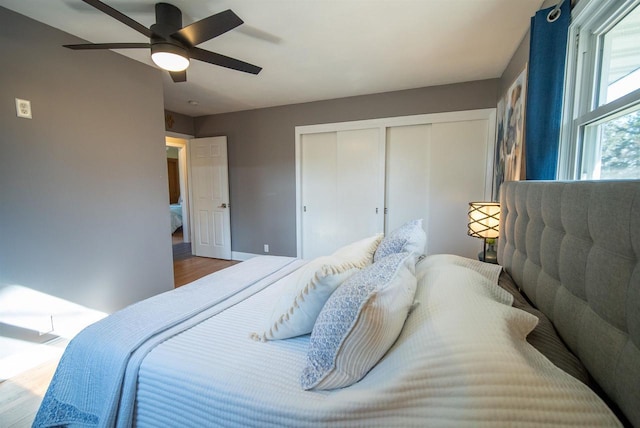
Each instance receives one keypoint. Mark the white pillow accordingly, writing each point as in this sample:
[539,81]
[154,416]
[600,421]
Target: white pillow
[359,323]
[410,237]
[310,286]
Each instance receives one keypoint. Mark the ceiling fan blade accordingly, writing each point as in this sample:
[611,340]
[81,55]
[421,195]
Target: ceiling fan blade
[120,17]
[108,46]
[179,76]
[209,27]
[223,61]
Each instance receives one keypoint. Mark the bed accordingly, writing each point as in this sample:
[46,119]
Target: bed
[176,216]
[378,335]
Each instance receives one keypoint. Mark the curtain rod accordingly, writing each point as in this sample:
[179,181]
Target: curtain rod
[555,13]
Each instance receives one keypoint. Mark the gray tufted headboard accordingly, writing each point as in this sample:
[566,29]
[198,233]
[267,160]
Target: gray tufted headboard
[574,249]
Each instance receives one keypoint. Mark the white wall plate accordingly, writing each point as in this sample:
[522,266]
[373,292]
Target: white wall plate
[23,108]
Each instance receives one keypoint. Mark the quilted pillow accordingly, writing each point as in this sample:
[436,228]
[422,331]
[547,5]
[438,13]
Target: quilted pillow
[309,288]
[359,323]
[410,237]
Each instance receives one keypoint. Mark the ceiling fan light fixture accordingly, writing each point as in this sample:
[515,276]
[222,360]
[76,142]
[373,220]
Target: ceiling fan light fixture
[169,57]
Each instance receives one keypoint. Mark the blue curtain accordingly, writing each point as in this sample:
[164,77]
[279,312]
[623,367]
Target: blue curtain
[544,92]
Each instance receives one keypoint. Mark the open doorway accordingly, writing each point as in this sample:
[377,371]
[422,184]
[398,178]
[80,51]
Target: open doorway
[178,190]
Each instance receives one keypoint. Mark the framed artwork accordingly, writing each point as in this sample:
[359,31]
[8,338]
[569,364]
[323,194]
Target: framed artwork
[510,134]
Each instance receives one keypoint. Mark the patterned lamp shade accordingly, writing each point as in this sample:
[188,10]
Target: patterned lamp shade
[484,220]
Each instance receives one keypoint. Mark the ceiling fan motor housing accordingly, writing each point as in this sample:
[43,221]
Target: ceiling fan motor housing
[168,23]
[169,16]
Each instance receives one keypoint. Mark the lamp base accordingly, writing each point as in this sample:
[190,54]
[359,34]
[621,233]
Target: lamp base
[490,257]
[488,253]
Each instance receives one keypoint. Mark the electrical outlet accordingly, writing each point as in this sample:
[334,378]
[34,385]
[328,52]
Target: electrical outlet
[266,248]
[23,108]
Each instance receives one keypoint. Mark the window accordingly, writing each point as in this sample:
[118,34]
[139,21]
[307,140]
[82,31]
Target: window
[601,120]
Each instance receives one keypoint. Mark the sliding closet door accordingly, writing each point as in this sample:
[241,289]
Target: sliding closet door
[319,184]
[427,166]
[433,172]
[360,184]
[342,176]
[458,174]
[407,175]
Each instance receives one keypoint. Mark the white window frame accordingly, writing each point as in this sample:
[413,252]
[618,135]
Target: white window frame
[590,20]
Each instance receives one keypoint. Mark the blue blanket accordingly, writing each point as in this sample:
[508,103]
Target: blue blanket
[94,384]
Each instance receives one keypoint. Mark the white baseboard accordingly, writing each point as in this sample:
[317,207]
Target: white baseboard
[236,255]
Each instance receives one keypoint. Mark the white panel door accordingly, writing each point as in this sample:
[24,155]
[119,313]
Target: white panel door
[210,197]
[407,175]
[342,181]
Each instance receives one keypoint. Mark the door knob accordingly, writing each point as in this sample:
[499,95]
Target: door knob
[223,206]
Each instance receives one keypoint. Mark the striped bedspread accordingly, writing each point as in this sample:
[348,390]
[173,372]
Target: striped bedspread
[95,382]
[461,360]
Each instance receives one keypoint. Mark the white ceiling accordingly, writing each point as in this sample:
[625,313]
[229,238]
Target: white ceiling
[315,49]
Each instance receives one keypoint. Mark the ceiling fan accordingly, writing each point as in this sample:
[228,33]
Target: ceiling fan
[171,44]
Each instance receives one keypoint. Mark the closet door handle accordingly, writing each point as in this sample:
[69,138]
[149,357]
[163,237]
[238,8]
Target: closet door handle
[223,206]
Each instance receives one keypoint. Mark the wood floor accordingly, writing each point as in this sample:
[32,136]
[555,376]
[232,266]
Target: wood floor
[188,270]
[21,395]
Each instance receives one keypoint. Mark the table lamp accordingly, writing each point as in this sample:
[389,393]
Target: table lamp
[484,222]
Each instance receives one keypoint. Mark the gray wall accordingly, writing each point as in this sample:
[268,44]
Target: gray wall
[261,147]
[177,122]
[520,57]
[84,199]
[516,65]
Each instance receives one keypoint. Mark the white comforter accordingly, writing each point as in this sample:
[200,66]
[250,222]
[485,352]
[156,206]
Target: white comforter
[461,360]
